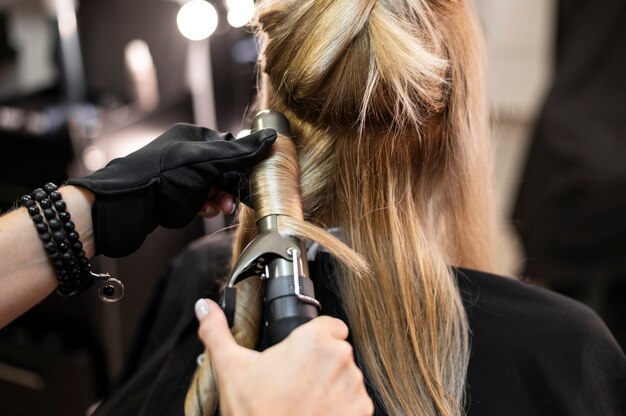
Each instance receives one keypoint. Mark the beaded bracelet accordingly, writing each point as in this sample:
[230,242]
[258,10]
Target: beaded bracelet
[55,242]
[62,244]
[64,222]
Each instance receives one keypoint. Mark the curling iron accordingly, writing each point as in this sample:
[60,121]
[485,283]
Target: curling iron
[279,260]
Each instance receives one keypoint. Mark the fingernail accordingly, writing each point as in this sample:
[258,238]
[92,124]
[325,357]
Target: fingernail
[233,208]
[202,309]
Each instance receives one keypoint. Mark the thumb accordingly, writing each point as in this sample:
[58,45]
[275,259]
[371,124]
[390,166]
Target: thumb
[214,331]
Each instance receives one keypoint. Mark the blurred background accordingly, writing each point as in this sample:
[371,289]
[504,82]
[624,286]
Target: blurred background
[82,82]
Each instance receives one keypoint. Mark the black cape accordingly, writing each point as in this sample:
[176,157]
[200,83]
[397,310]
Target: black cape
[533,352]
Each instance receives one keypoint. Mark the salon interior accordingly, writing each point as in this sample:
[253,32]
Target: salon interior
[86,81]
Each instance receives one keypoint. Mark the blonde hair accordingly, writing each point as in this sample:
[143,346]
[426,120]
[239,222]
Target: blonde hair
[386,101]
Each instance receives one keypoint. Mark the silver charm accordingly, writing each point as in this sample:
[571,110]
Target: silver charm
[110,289]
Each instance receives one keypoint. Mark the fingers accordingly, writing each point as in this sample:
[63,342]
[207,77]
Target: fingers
[362,403]
[191,132]
[209,210]
[194,161]
[262,139]
[244,153]
[266,136]
[218,201]
[322,341]
[226,202]
[336,328]
[214,331]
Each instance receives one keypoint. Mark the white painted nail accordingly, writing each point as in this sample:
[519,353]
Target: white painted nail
[202,309]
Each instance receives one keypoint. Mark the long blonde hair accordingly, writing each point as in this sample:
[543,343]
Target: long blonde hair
[386,101]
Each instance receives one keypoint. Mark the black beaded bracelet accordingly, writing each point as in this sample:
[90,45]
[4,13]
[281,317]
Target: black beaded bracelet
[44,231]
[54,240]
[62,244]
[62,224]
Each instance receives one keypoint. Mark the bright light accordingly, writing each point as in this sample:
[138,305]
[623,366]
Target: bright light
[197,19]
[137,56]
[240,12]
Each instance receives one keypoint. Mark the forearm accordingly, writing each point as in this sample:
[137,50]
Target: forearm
[26,273]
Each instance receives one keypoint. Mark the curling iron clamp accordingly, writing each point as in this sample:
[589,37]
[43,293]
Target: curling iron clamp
[280,261]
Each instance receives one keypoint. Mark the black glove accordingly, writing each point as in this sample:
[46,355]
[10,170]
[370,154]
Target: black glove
[166,182]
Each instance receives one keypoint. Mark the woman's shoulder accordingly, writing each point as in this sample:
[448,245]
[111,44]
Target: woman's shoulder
[529,319]
[555,353]
[499,298]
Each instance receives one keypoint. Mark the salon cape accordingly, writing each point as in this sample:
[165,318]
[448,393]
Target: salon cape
[533,352]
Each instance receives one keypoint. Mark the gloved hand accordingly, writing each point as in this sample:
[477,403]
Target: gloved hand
[166,183]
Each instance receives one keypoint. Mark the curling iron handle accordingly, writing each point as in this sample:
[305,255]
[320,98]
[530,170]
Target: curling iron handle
[289,302]
[279,330]
[279,324]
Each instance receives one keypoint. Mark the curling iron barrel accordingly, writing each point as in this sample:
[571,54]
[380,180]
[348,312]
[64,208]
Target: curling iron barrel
[280,259]
[289,294]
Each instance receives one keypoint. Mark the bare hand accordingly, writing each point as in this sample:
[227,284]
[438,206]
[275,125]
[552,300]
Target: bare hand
[312,372]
